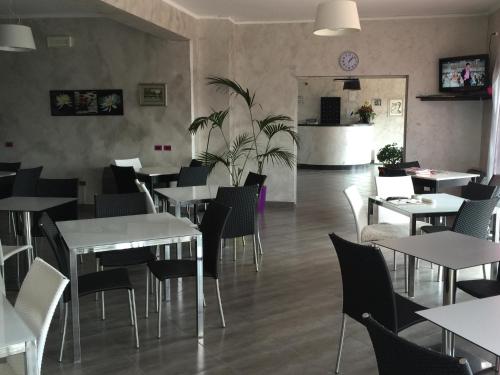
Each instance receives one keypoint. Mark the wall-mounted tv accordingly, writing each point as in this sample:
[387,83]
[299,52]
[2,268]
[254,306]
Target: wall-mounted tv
[463,73]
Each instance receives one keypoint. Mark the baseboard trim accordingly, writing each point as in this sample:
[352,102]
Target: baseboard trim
[333,167]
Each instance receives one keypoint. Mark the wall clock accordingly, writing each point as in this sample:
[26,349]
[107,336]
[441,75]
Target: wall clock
[348,60]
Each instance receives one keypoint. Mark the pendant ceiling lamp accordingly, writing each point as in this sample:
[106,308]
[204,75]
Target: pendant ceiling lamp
[352,84]
[337,17]
[16,37]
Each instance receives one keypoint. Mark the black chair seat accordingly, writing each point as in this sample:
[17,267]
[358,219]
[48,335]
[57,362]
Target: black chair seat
[434,228]
[171,269]
[480,288]
[406,312]
[114,279]
[126,258]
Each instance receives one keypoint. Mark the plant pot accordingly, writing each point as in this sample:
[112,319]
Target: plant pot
[261,204]
[365,119]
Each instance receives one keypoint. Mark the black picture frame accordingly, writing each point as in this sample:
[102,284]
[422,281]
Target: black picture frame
[86,102]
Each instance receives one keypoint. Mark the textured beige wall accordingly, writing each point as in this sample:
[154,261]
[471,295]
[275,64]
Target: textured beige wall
[106,55]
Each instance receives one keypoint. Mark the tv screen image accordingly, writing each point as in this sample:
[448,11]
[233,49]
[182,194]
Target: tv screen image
[467,73]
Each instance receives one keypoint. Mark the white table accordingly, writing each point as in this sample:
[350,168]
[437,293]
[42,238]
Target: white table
[119,234]
[187,195]
[442,179]
[16,337]
[27,205]
[476,321]
[453,251]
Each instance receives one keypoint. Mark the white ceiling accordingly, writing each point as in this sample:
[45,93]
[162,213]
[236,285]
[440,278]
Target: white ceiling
[304,10]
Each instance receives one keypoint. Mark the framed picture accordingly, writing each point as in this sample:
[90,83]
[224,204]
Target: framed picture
[396,107]
[86,102]
[377,102]
[153,94]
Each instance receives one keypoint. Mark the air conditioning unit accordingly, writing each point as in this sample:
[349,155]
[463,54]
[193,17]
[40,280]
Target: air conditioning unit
[60,41]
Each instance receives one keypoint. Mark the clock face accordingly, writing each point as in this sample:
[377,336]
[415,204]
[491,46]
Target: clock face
[348,60]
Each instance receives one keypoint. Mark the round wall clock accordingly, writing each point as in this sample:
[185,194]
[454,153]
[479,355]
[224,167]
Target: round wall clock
[348,60]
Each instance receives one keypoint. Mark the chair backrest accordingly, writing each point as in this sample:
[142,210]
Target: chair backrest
[134,163]
[212,226]
[356,202]
[195,163]
[149,200]
[10,167]
[494,180]
[255,179]
[108,181]
[391,172]
[26,181]
[476,191]
[409,164]
[56,243]
[393,187]
[473,217]
[193,176]
[124,178]
[366,283]
[396,356]
[242,219]
[109,205]
[36,303]
[2,282]
[58,187]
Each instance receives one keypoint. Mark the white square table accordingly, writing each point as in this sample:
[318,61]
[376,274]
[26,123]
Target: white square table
[476,321]
[27,205]
[119,234]
[438,179]
[16,337]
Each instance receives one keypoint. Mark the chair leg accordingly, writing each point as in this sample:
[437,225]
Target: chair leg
[255,256]
[394,266]
[406,272]
[134,310]
[259,241]
[97,268]
[158,290]
[130,308]
[103,308]
[234,249]
[63,336]
[156,295]
[243,241]
[221,312]
[147,291]
[220,253]
[341,344]
[484,271]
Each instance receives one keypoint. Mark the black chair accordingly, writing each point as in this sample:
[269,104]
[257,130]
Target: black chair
[367,287]
[110,205]
[26,181]
[409,164]
[243,219]
[494,180]
[89,283]
[7,182]
[211,226]
[475,191]
[193,176]
[255,179]
[124,179]
[391,172]
[195,163]
[397,356]
[108,181]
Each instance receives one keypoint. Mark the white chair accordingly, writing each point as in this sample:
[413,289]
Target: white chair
[135,162]
[36,303]
[2,285]
[8,251]
[152,209]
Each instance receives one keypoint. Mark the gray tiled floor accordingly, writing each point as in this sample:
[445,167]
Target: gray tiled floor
[282,320]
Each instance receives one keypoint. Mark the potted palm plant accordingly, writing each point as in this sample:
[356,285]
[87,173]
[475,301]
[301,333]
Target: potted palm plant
[256,144]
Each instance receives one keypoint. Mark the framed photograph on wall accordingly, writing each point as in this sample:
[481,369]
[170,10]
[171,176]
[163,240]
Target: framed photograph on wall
[396,107]
[86,102]
[153,94]
[376,102]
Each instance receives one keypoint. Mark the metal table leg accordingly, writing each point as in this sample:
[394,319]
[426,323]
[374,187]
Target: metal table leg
[449,298]
[178,214]
[27,235]
[199,286]
[411,276]
[31,359]
[75,308]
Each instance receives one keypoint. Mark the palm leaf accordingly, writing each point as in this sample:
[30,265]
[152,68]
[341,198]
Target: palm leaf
[276,155]
[272,129]
[235,87]
[217,118]
[197,124]
[271,119]
[240,146]
[210,160]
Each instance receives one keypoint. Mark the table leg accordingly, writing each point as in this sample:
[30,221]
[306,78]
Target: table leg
[449,290]
[496,229]
[75,308]
[27,235]
[31,359]
[199,286]
[178,214]
[413,225]
[411,276]
[370,211]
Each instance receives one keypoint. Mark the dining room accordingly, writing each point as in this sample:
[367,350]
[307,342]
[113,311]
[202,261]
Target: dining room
[156,214]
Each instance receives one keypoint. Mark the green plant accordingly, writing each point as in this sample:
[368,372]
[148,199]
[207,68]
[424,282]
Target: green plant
[366,112]
[257,143]
[390,154]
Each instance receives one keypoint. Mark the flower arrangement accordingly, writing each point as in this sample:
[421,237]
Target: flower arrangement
[366,113]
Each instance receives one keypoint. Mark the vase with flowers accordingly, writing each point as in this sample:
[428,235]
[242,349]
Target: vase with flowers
[366,113]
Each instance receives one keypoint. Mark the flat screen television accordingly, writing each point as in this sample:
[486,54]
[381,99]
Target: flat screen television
[463,73]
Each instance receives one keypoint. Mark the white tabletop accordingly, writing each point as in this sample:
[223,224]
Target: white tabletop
[476,321]
[449,249]
[443,203]
[124,232]
[13,329]
[437,175]
[189,194]
[158,171]
[32,204]
[6,174]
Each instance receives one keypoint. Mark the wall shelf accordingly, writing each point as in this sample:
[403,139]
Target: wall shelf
[453,97]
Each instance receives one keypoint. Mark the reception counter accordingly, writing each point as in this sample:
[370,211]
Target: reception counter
[335,146]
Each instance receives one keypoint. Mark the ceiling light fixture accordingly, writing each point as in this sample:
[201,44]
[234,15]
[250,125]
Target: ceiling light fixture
[16,37]
[337,17]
